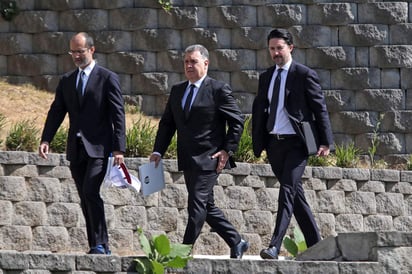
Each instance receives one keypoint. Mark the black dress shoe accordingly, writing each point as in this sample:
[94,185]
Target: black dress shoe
[99,249]
[236,252]
[270,253]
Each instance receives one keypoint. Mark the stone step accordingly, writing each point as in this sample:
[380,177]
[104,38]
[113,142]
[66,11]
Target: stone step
[11,261]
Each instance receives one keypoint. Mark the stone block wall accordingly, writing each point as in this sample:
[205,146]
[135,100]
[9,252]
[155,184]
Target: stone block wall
[41,211]
[361,50]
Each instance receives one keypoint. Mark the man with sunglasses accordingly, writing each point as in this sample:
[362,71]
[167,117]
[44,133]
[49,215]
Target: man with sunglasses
[92,97]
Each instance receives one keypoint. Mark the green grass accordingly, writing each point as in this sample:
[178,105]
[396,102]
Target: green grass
[2,124]
[347,155]
[23,136]
[140,138]
[58,145]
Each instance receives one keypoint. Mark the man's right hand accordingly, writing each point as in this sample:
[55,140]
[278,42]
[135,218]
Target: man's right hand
[154,157]
[44,150]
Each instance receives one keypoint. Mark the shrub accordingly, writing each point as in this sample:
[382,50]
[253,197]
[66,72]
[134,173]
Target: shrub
[244,152]
[132,109]
[409,163]
[23,136]
[171,152]
[329,160]
[140,138]
[347,155]
[58,145]
[8,9]
[166,5]
[2,124]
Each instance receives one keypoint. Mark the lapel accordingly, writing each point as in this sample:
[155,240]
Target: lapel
[201,93]
[91,82]
[179,99]
[267,79]
[73,85]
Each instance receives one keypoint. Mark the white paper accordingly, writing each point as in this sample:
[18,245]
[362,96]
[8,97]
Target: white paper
[118,176]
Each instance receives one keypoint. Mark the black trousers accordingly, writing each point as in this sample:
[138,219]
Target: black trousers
[201,208]
[88,174]
[288,160]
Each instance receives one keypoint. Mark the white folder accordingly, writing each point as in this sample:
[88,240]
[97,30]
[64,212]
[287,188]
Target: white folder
[151,178]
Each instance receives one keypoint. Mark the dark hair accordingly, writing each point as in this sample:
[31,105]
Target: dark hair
[203,51]
[282,34]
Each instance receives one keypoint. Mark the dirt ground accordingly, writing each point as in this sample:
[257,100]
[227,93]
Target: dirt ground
[24,102]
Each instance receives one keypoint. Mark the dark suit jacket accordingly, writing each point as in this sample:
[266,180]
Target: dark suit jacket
[215,122]
[304,101]
[100,118]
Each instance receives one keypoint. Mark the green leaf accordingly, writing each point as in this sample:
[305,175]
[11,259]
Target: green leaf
[161,253]
[162,244]
[182,250]
[299,239]
[302,246]
[158,268]
[144,243]
[177,262]
[290,246]
[143,265]
[298,235]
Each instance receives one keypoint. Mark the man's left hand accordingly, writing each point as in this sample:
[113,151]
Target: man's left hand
[118,157]
[223,157]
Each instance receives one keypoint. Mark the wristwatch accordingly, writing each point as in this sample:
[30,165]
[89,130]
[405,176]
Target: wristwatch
[230,153]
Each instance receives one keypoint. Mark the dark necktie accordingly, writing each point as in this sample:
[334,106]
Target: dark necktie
[79,87]
[189,97]
[274,102]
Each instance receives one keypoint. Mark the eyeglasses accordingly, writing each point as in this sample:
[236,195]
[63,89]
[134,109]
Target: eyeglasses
[80,51]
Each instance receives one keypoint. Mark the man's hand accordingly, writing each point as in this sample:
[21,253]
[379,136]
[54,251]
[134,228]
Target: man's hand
[223,157]
[323,151]
[44,149]
[118,157]
[154,157]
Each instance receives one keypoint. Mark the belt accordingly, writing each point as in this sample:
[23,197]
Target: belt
[279,137]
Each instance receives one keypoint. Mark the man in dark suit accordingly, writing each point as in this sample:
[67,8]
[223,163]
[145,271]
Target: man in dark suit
[92,97]
[288,94]
[209,125]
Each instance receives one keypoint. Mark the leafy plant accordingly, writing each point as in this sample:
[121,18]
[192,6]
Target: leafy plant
[23,136]
[161,254]
[132,109]
[347,155]
[171,152]
[2,123]
[409,163]
[374,143]
[296,244]
[8,9]
[314,160]
[58,145]
[166,5]
[140,138]
[244,152]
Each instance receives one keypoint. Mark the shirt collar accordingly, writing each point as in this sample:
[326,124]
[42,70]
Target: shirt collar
[285,66]
[87,70]
[198,83]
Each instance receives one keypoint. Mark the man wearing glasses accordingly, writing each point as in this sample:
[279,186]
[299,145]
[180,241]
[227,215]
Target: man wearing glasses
[92,97]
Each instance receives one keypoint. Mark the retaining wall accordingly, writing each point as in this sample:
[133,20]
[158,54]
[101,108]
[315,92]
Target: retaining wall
[41,211]
[361,50]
